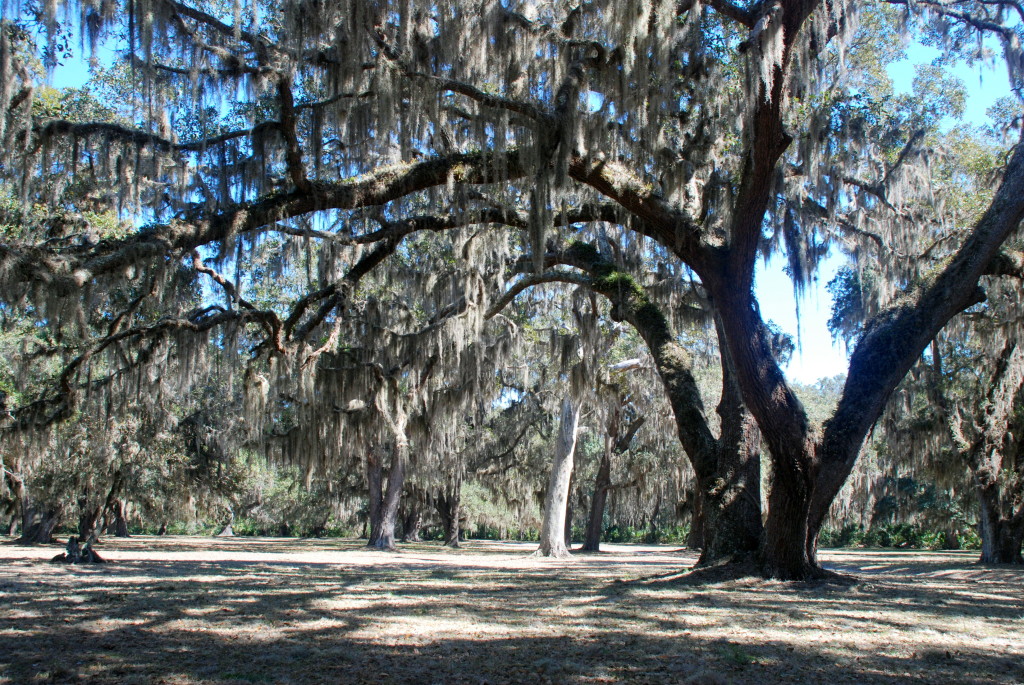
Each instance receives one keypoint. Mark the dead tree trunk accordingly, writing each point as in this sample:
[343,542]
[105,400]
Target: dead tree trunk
[552,534]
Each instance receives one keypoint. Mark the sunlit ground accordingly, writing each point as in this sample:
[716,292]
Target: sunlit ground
[209,610]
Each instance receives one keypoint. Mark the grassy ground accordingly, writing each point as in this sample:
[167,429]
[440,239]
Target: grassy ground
[202,610]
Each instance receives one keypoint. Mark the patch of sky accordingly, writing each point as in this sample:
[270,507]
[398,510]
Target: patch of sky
[817,355]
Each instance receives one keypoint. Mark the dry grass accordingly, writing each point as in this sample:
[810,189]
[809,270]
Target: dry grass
[198,610]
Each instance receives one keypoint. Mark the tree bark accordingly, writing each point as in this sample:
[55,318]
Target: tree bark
[38,523]
[1001,536]
[595,520]
[730,493]
[695,540]
[727,467]
[411,515]
[383,536]
[119,526]
[552,534]
[88,520]
[449,508]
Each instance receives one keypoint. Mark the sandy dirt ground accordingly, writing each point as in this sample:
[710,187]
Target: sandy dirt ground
[262,610]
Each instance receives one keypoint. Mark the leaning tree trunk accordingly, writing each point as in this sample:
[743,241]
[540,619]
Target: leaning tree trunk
[552,533]
[1001,536]
[595,520]
[730,486]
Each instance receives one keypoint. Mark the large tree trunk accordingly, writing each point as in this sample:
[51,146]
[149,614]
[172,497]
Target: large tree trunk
[38,523]
[730,491]
[411,515]
[383,536]
[552,532]
[119,525]
[695,540]
[449,508]
[1001,537]
[725,466]
[595,520]
[88,520]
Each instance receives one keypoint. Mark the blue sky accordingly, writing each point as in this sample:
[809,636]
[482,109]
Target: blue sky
[818,357]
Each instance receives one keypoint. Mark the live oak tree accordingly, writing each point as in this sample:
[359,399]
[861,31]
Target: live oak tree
[701,133]
[956,417]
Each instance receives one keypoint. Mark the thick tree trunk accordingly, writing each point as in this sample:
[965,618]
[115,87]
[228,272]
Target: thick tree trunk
[119,526]
[37,523]
[595,520]
[730,492]
[695,540]
[787,547]
[1001,537]
[383,537]
[88,520]
[411,515]
[449,508]
[552,533]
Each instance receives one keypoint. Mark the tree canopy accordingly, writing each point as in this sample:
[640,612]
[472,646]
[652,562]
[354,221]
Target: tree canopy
[342,201]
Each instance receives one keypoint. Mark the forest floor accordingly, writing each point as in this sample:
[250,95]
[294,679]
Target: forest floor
[260,610]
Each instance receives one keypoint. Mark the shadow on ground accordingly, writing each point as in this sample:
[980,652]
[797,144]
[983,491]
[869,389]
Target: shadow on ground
[452,618]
